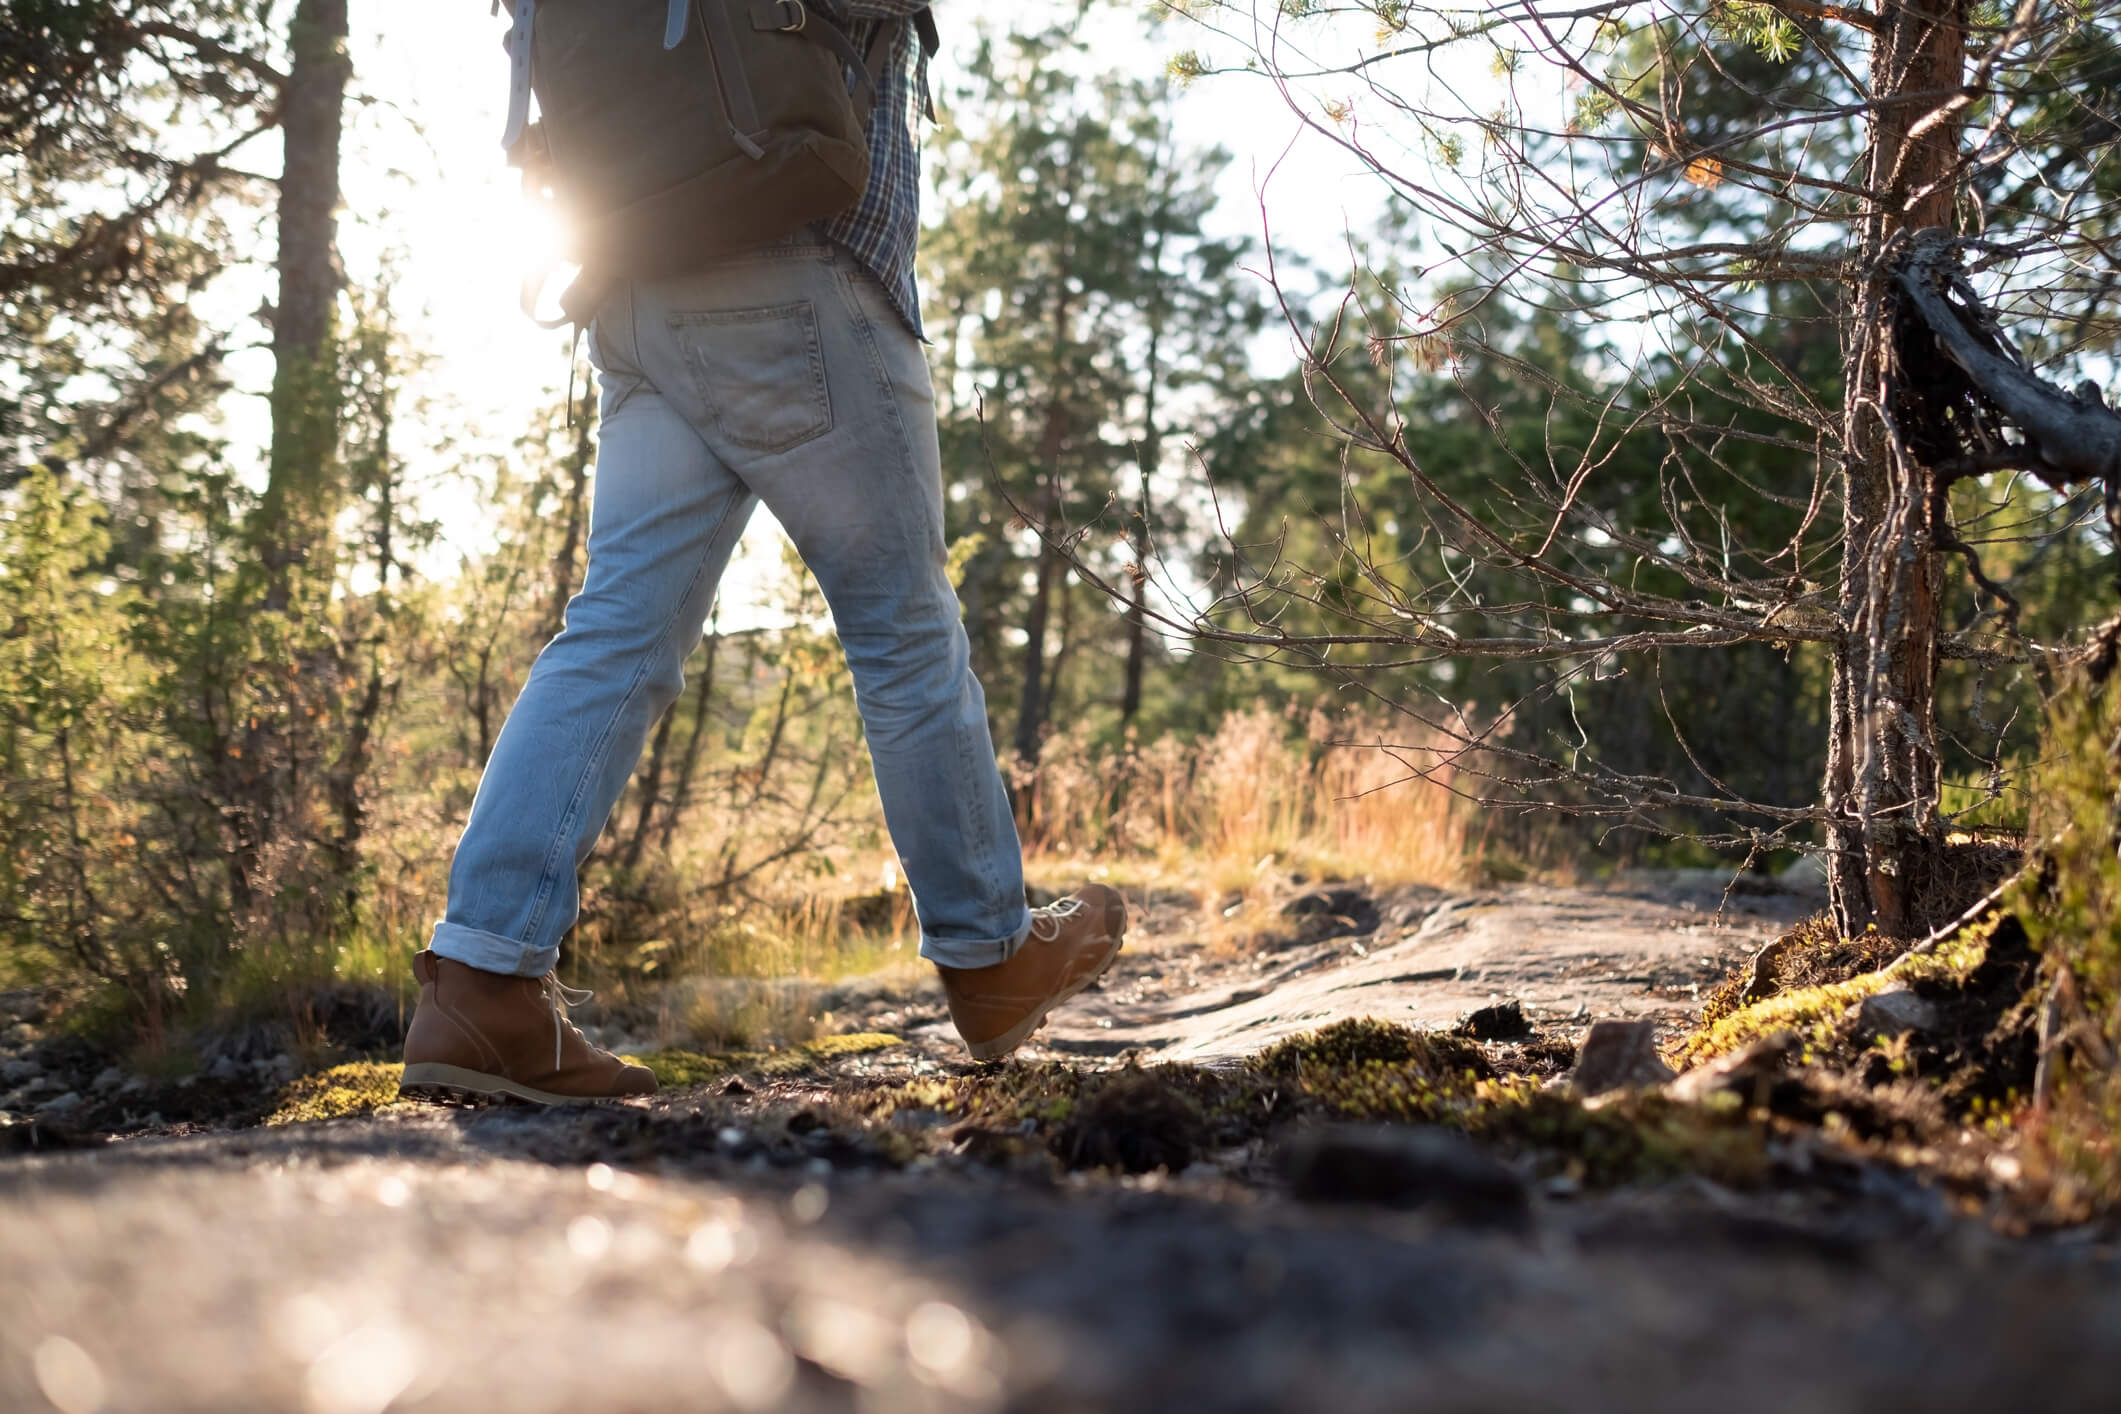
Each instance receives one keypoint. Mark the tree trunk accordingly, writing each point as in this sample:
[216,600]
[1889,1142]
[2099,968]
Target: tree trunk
[1130,701]
[575,501]
[1031,706]
[1882,767]
[651,789]
[1152,448]
[1066,641]
[1053,442]
[267,800]
[301,480]
[689,763]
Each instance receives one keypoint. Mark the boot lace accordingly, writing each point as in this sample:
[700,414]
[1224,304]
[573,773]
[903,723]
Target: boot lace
[1046,922]
[563,997]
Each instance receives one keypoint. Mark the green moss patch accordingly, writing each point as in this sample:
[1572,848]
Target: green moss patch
[359,1088]
[1818,1014]
[677,1070]
[811,1054]
[1143,1118]
[1356,1045]
[1812,954]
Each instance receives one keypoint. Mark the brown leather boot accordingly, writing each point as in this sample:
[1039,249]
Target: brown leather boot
[479,1033]
[1072,942]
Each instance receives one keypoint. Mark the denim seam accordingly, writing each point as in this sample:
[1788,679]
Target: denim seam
[822,253]
[634,380]
[877,372]
[983,845]
[548,874]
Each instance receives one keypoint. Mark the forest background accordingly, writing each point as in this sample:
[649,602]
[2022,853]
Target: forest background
[281,531]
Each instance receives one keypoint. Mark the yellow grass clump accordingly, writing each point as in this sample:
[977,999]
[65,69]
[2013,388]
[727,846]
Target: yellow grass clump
[1324,795]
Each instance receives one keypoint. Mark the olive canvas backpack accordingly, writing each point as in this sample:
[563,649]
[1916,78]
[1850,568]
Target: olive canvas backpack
[672,131]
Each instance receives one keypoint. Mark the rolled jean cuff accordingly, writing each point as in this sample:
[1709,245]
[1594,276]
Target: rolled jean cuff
[490,952]
[962,952]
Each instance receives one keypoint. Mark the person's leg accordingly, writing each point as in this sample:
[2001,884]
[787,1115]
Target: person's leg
[666,515]
[801,378]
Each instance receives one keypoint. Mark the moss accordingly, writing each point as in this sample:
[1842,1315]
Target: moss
[1137,1121]
[359,1088]
[1639,1137]
[811,1054]
[1366,1041]
[1811,954]
[1819,1014]
[1041,1092]
[677,1070]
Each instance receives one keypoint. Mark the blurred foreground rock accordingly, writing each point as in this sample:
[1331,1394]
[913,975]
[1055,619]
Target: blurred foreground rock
[1619,1055]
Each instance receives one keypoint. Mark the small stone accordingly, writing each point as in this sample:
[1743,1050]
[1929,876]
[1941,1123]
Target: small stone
[1503,1021]
[108,1079]
[60,1105]
[224,1069]
[1405,1168]
[1619,1055]
[1895,1013]
[735,1085]
[134,1085]
[1746,1073]
[15,1071]
[1333,913]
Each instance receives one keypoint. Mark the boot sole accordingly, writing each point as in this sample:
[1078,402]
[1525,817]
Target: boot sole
[1016,1035]
[430,1080]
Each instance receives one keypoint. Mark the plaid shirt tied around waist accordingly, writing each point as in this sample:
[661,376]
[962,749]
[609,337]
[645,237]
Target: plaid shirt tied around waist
[882,229]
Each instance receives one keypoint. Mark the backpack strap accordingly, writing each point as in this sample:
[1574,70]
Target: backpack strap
[739,104]
[519,46]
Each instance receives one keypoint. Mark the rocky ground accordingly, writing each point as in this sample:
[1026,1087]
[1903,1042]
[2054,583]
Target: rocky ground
[879,1226]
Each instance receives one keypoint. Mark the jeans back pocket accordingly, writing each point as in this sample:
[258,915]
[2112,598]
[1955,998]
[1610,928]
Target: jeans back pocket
[760,372]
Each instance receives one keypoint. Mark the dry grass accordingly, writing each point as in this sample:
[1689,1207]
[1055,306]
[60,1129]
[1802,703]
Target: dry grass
[1316,796]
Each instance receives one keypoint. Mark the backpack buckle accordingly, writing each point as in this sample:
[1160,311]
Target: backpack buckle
[802,16]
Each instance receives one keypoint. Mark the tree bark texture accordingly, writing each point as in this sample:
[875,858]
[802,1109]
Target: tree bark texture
[1882,768]
[574,519]
[305,403]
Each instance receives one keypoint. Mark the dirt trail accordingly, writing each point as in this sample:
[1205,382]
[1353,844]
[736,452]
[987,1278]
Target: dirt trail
[697,1253]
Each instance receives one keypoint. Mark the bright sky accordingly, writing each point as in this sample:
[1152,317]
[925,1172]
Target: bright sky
[424,176]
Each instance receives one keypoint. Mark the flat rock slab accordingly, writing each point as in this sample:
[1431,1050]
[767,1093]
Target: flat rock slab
[1568,955]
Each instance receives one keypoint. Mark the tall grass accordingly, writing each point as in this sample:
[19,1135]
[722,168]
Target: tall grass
[1315,794]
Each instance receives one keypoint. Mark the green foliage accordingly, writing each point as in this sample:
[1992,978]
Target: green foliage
[2070,908]
[1078,298]
[70,855]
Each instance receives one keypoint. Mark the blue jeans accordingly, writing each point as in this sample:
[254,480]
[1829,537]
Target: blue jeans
[779,375]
